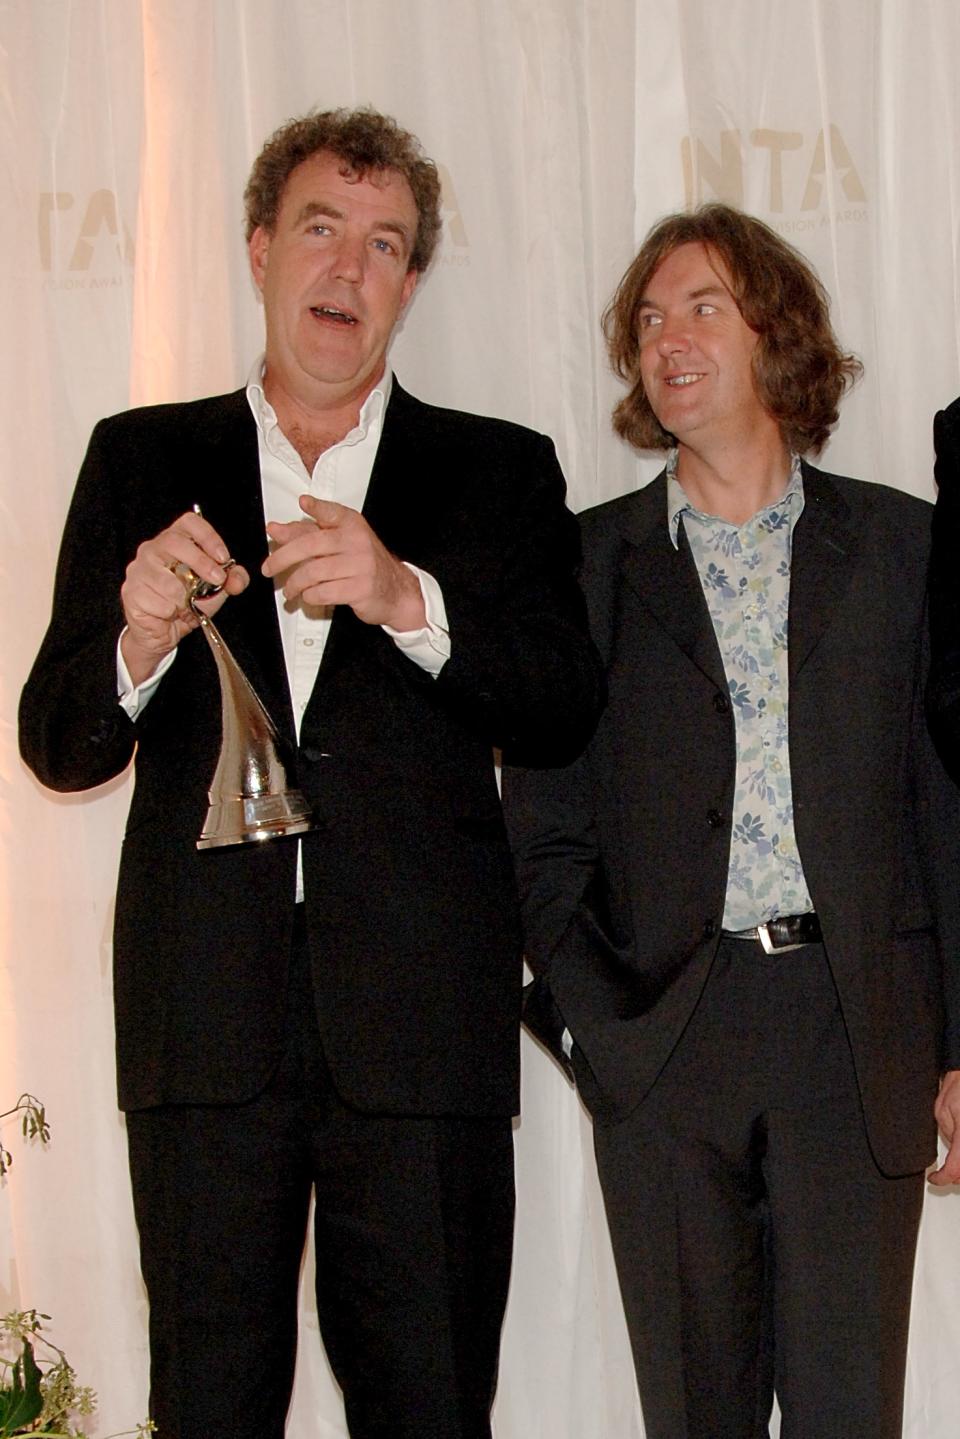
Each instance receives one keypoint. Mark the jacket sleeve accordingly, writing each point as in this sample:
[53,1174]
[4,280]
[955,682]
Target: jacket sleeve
[553,839]
[523,670]
[943,689]
[73,733]
[937,801]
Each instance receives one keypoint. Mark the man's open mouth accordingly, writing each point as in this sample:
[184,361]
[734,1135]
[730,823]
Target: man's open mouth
[330,312]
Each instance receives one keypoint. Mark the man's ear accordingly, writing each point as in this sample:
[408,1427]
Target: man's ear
[409,285]
[258,248]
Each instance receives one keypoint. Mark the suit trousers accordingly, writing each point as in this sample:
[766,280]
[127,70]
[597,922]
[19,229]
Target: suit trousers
[413,1229]
[757,1244]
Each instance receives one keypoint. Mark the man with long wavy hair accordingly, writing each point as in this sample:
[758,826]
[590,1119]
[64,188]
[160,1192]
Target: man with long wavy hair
[739,902]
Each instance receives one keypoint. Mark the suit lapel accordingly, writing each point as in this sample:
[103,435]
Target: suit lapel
[233,503]
[824,553]
[393,506]
[235,494]
[667,582]
[402,471]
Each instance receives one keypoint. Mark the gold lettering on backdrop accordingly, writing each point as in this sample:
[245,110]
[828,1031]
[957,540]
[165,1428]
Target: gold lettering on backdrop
[100,219]
[101,214]
[452,214]
[840,161]
[709,175]
[49,202]
[776,141]
[723,172]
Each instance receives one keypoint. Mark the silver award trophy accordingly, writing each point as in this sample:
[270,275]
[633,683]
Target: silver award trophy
[250,795]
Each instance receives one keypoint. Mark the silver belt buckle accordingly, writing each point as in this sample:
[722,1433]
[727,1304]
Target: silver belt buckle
[763,934]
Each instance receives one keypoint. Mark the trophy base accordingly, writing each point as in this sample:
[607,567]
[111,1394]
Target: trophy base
[249,819]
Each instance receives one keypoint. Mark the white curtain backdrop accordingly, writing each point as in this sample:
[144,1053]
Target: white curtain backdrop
[564,128]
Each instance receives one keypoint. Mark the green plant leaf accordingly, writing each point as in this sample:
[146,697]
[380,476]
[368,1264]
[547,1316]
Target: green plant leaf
[21,1401]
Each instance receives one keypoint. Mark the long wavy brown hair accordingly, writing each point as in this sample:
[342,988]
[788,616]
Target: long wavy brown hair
[365,141]
[799,370]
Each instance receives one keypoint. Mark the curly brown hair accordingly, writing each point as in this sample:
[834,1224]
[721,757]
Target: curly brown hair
[799,369]
[364,140]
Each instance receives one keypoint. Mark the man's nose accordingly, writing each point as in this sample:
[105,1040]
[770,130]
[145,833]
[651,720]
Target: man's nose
[673,338]
[348,260]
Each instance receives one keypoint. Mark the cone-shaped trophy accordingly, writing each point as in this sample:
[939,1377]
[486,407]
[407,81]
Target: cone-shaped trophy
[250,795]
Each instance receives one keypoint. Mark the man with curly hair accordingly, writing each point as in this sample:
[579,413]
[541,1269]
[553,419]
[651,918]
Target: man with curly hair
[740,902]
[334,1017]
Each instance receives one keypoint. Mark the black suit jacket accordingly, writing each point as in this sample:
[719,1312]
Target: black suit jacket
[409,889]
[622,857]
[943,692]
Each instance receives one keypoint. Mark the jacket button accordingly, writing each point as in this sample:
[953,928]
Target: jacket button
[714,818]
[104,732]
[709,928]
[313,754]
[720,703]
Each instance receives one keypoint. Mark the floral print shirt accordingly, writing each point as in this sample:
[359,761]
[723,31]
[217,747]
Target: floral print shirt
[745,574]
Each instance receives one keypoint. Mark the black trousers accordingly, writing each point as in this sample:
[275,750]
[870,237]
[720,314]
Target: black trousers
[414,1220]
[756,1242]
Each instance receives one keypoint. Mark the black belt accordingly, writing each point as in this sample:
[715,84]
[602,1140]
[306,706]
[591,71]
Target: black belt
[789,931]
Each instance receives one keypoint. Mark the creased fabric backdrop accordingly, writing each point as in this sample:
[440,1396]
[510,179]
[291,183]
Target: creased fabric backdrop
[564,128]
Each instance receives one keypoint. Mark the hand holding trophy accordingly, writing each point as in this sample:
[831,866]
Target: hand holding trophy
[250,795]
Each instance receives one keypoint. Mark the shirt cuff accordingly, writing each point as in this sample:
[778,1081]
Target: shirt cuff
[428,647]
[135,698]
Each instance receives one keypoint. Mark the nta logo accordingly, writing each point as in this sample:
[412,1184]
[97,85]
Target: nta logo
[99,220]
[723,173]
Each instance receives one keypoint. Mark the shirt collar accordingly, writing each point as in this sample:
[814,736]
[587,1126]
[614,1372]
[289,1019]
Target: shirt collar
[371,411]
[678,503]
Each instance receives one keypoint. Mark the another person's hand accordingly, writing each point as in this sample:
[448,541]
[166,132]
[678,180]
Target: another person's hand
[154,599]
[334,558]
[947,1114]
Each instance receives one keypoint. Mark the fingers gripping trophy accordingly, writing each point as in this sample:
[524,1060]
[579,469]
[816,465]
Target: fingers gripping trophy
[250,795]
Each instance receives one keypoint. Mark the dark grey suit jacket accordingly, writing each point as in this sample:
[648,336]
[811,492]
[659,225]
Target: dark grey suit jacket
[943,690]
[622,857]
[409,889]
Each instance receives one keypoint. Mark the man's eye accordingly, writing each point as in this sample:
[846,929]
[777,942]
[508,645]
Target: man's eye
[385,247]
[319,229]
[705,309]
[648,320]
